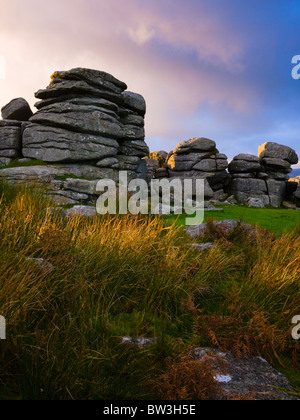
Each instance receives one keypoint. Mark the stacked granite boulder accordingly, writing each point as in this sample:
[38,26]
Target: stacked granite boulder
[277,161]
[86,116]
[247,179]
[264,177]
[199,158]
[13,114]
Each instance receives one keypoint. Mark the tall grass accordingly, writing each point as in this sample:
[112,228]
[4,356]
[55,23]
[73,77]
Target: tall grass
[129,276]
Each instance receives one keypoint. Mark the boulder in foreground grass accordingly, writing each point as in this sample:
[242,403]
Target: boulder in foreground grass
[225,226]
[246,378]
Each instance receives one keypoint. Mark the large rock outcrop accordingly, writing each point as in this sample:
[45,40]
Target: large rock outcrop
[86,116]
[87,126]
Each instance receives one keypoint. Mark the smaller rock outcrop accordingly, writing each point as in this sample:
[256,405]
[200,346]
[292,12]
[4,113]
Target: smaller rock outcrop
[247,180]
[263,178]
[199,158]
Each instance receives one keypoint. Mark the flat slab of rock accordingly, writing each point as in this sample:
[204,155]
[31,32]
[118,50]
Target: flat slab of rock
[243,166]
[97,78]
[86,119]
[251,377]
[139,341]
[81,211]
[54,144]
[203,247]
[196,145]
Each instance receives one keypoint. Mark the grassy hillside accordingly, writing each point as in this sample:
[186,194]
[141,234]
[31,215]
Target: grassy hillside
[277,221]
[130,276]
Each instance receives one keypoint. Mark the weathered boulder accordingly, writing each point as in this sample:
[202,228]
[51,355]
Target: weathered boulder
[244,164]
[18,109]
[245,188]
[134,102]
[278,151]
[196,145]
[276,164]
[257,203]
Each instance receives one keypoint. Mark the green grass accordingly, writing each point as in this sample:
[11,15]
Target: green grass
[16,164]
[133,276]
[276,220]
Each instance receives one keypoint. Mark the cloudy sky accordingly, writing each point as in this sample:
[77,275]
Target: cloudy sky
[207,68]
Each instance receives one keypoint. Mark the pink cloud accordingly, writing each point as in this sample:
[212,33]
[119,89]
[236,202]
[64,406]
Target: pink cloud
[127,39]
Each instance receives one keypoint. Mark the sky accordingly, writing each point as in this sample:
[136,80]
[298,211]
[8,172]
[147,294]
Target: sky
[207,68]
